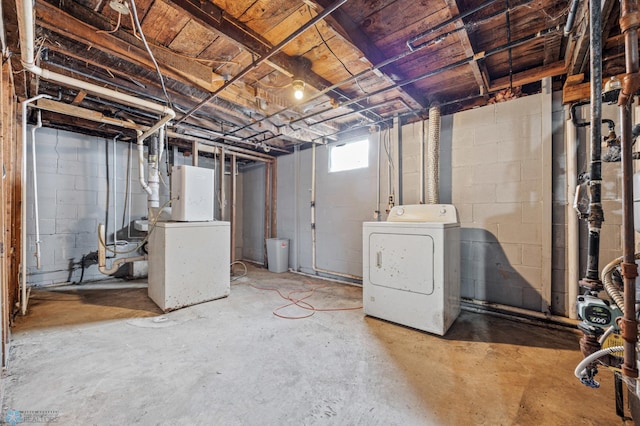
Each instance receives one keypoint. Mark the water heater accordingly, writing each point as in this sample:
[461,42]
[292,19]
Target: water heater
[191,194]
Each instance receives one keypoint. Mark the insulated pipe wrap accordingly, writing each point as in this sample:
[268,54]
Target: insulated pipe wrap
[433,151]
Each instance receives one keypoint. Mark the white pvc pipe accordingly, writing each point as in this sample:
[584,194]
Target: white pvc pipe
[27,48]
[26,28]
[102,256]
[23,196]
[573,255]
[378,175]
[115,193]
[423,176]
[141,178]
[35,187]
[580,370]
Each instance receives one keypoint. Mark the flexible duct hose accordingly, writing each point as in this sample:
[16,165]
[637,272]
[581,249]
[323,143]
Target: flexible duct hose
[433,155]
[580,371]
[616,295]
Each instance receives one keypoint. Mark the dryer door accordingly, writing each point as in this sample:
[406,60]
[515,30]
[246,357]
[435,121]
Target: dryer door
[402,261]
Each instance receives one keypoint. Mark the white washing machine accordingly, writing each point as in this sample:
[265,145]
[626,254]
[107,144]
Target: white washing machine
[411,267]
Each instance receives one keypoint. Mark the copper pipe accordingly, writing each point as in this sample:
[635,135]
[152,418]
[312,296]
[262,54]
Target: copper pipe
[629,22]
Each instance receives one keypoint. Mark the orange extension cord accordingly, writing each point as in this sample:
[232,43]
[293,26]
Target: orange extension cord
[300,302]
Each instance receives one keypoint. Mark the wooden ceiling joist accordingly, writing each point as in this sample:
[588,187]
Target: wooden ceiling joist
[250,40]
[482,79]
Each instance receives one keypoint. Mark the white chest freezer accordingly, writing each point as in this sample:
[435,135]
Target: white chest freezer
[411,267]
[188,263]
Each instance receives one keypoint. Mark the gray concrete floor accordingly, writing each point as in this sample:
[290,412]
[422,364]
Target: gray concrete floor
[95,355]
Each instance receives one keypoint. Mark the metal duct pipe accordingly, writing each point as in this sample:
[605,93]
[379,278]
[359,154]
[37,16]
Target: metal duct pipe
[568,28]
[433,152]
[629,22]
[596,214]
[266,57]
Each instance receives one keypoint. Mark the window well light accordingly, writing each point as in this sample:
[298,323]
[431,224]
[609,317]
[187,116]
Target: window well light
[298,88]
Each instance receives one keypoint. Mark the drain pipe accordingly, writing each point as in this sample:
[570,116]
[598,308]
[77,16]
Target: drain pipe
[433,155]
[313,224]
[23,196]
[629,23]
[591,280]
[153,200]
[378,176]
[102,256]
[573,254]
[423,162]
[26,29]
[35,186]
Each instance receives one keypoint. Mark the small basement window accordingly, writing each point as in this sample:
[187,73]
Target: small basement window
[349,156]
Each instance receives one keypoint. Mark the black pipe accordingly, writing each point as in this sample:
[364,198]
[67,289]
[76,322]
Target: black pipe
[447,22]
[596,214]
[384,63]
[439,70]
[326,12]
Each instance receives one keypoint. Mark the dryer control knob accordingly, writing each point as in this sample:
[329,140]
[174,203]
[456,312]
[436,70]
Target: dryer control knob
[400,211]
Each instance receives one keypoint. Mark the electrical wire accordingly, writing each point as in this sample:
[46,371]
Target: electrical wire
[113,30]
[329,47]
[146,45]
[244,274]
[300,302]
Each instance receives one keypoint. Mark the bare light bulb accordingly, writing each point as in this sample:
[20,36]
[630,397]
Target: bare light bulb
[298,89]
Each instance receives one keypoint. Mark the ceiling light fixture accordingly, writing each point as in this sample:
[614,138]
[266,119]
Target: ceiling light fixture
[119,6]
[298,88]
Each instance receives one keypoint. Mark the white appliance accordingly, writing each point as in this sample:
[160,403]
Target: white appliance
[189,263]
[411,267]
[191,194]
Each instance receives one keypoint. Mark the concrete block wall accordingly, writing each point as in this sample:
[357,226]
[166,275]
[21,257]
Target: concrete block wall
[559,301]
[252,206]
[343,201]
[73,196]
[497,187]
